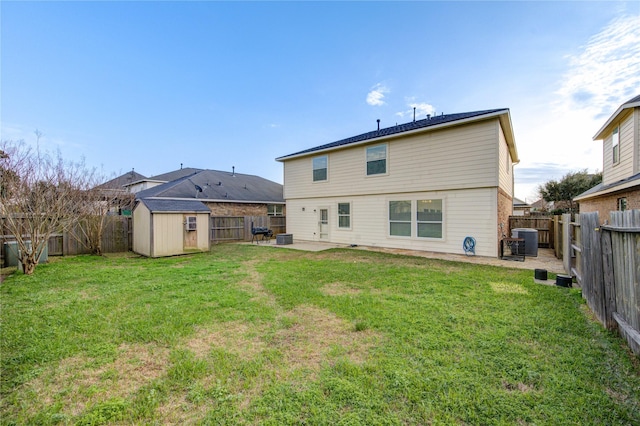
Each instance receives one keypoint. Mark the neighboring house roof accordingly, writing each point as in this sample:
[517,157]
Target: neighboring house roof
[601,189]
[429,123]
[604,130]
[122,180]
[218,186]
[169,176]
[175,206]
[519,203]
[540,204]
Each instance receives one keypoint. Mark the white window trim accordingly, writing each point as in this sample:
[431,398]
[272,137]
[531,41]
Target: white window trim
[615,142]
[350,215]
[386,168]
[414,218]
[313,170]
[410,222]
[430,221]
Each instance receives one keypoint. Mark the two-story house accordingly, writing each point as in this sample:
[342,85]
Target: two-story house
[423,185]
[620,187]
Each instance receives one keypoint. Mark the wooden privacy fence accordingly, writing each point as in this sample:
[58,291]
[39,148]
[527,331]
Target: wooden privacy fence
[238,228]
[610,271]
[117,237]
[541,224]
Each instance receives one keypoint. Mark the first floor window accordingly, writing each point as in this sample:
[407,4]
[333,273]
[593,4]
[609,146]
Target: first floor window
[344,215]
[400,218]
[622,204]
[429,218]
[275,209]
[320,168]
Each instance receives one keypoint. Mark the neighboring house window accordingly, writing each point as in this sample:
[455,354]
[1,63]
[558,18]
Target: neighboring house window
[344,215]
[376,160]
[400,218]
[275,209]
[320,168]
[622,204]
[615,145]
[429,218]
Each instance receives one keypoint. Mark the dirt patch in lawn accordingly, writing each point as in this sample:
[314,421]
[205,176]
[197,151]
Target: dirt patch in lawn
[75,385]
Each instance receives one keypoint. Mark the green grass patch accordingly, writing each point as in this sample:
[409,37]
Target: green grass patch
[257,335]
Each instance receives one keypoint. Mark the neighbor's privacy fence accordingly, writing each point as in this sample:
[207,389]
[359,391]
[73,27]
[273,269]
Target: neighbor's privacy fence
[238,228]
[609,270]
[117,237]
[543,224]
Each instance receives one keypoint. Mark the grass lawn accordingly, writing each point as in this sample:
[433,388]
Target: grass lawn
[259,335]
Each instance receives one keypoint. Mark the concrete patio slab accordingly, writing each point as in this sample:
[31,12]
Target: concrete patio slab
[545,260]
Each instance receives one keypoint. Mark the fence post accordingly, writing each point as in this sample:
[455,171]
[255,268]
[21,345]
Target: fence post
[608,280]
[566,242]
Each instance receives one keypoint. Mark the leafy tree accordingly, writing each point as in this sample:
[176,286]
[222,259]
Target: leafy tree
[570,186]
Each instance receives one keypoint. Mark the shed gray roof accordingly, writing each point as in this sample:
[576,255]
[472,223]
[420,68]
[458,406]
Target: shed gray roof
[397,129]
[214,185]
[178,206]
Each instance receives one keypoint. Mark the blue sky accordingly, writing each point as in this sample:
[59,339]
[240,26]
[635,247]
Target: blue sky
[151,85]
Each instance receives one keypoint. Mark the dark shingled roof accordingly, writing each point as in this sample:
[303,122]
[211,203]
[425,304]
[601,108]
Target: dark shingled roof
[214,185]
[400,128]
[120,181]
[183,206]
[176,174]
[610,187]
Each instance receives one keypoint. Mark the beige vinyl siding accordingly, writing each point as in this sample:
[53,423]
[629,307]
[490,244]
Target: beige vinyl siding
[625,167]
[505,165]
[461,157]
[468,212]
[142,230]
[636,140]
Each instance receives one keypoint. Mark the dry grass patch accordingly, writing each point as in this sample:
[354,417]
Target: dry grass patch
[520,387]
[253,283]
[76,385]
[510,288]
[339,289]
[235,337]
[315,334]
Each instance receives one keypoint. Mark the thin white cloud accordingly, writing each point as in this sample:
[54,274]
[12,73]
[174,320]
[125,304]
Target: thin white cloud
[603,74]
[422,109]
[376,95]
[606,72]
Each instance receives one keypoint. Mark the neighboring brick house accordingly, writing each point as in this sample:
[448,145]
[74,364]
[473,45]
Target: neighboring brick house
[422,185]
[224,193]
[620,187]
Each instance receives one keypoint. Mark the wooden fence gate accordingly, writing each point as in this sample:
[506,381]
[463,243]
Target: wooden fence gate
[610,271]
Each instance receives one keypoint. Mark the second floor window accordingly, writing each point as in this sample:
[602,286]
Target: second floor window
[320,168]
[615,145]
[376,160]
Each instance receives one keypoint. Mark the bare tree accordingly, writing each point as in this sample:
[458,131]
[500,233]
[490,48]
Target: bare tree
[95,205]
[39,195]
